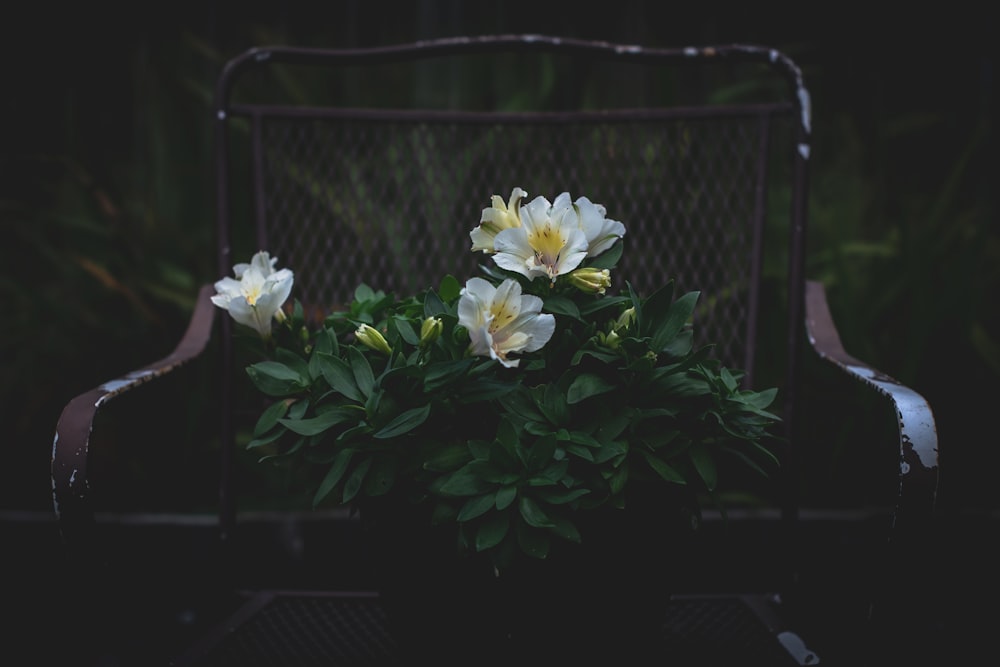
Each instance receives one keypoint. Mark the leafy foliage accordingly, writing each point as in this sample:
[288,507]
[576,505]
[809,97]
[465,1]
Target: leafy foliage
[618,400]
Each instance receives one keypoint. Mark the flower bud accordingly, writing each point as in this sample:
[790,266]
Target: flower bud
[591,280]
[371,337]
[625,320]
[612,340]
[430,330]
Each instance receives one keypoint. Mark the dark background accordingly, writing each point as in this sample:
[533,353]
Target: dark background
[106,203]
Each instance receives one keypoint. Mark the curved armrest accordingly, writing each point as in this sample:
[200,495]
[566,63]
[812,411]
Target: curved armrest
[918,441]
[70,487]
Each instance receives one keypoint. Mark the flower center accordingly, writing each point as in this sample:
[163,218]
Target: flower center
[548,244]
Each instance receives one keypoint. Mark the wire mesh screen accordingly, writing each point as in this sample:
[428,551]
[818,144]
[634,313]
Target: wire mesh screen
[390,200]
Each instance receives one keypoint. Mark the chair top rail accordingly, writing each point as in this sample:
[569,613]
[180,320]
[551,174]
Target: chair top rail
[512,117]
[267,55]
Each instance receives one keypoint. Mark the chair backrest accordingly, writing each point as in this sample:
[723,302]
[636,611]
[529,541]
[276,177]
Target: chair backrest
[372,165]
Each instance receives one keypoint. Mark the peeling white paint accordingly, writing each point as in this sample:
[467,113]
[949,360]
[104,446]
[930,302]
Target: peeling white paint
[221,114]
[914,413]
[115,385]
[797,648]
[804,151]
[805,101]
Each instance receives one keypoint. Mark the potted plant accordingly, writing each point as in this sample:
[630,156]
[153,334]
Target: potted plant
[526,427]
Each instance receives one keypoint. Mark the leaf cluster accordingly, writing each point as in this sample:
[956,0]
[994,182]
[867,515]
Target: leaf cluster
[619,400]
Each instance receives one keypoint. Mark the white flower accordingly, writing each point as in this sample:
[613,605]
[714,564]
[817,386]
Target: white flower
[501,320]
[497,218]
[548,243]
[257,293]
[601,232]
[262,261]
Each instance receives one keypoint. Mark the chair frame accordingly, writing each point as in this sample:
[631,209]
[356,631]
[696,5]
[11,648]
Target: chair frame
[809,317]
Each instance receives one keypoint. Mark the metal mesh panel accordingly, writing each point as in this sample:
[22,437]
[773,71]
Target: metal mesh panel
[353,631]
[391,202]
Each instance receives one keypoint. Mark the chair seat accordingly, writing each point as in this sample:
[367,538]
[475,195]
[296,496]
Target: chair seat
[350,629]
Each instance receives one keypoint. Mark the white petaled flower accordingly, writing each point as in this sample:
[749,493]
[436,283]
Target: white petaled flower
[548,243]
[601,232]
[498,217]
[256,297]
[501,320]
[262,261]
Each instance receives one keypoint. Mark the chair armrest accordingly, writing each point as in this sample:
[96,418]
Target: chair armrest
[918,441]
[70,448]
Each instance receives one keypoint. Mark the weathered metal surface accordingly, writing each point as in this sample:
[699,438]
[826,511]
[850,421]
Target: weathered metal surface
[918,439]
[71,445]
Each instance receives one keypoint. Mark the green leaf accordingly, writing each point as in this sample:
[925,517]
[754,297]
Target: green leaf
[270,417]
[492,531]
[446,458]
[321,422]
[404,422]
[477,506]
[433,305]
[553,403]
[326,342]
[440,374]
[485,389]
[353,484]
[533,514]
[566,529]
[266,440]
[362,370]
[381,477]
[338,375]
[406,330]
[533,542]
[464,482]
[558,495]
[587,385]
[609,258]
[539,453]
[363,293]
[761,399]
[293,361]
[276,379]
[450,288]
[505,496]
[703,462]
[561,305]
[663,469]
[333,475]
[666,328]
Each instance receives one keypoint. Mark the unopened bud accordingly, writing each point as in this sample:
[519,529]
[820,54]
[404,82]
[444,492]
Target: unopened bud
[625,320]
[430,330]
[589,279]
[371,337]
[612,340]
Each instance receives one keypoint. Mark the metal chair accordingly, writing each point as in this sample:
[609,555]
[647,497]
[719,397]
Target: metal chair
[370,164]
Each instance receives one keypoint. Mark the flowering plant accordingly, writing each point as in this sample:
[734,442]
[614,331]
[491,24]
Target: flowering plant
[511,405]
